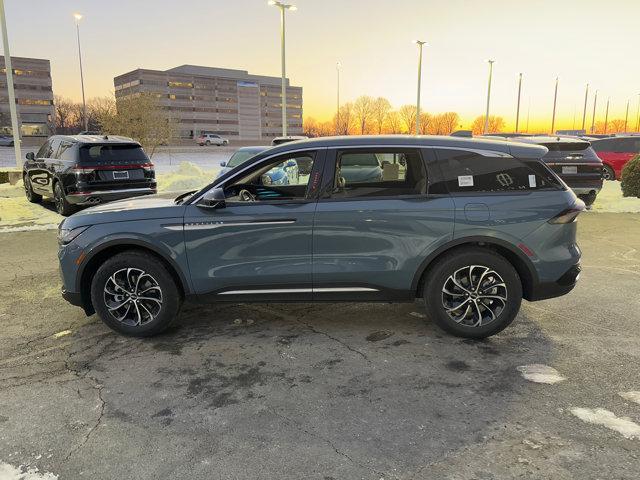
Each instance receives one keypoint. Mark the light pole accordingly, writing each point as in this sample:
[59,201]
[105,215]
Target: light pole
[283,7]
[638,115]
[486,117]
[338,65]
[420,43]
[593,118]
[555,101]
[584,112]
[78,17]
[12,96]
[626,117]
[606,116]
[518,107]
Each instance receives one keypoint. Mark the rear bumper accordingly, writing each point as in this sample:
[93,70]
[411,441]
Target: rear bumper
[562,286]
[101,196]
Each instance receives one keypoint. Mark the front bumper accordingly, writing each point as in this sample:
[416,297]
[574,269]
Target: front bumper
[74,298]
[562,286]
[101,196]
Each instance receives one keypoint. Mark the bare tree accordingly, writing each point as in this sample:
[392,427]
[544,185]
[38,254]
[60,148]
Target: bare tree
[344,120]
[393,122]
[141,118]
[444,123]
[381,108]
[66,115]
[616,126]
[408,117]
[98,108]
[310,127]
[363,112]
[496,124]
[426,123]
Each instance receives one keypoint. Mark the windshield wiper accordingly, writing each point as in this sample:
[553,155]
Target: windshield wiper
[182,197]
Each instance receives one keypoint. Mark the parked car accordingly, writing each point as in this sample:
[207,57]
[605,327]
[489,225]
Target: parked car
[6,140]
[471,226]
[284,174]
[84,170]
[574,161]
[615,152]
[287,139]
[211,139]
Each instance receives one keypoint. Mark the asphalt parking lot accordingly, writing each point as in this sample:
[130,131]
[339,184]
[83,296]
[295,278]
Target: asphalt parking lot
[353,391]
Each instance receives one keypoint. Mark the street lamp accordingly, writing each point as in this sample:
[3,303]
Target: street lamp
[420,44]
[518,107]
[283,7]
[606,116]
[626,117]
[584,112]
[593,118]
[638,115]
[555,101]
[486,117]
[78,17]
[338,65]
[10,91]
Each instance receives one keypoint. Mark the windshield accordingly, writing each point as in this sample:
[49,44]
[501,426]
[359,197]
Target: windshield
[359,160]
[240,157]
[112,153]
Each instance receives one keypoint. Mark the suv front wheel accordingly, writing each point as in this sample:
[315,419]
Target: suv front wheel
[473,293]
[135,294]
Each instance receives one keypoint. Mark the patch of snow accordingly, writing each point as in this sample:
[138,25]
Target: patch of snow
[29,228]
[631,396]
[62,333]
[417,315]
[540,373]
[9,472]
[599,416]
[610,200]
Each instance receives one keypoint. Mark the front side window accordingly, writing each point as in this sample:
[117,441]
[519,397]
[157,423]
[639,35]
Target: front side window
[379,172]
[239,157]
[465,171]
[285,178]
[45,150]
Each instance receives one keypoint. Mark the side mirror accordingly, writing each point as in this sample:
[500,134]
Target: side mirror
[223,164]
[30,156]
[214,198]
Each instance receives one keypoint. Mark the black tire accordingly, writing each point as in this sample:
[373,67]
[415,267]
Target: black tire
[207,143]
[63,207]
[482,260]
[158,316]
[588,199]
[28,191]
[608,173]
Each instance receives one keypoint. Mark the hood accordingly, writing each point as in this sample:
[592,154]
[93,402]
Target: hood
[131,209]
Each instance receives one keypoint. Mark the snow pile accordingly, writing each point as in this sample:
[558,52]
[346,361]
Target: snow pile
[9,472]
[188,176]
[540,373]
[610,199]
[600,416]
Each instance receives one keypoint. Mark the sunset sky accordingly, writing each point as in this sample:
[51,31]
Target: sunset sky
[578,40]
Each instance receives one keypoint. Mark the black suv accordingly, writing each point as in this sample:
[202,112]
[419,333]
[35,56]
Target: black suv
[84,170]
[573,160]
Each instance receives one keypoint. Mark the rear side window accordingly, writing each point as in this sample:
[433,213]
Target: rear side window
[379,173]
[112,153]
[464,171]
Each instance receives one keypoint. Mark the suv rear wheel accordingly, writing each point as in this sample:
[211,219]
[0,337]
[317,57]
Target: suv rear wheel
[135,294]
[473,293]
[63,207]
[608,173]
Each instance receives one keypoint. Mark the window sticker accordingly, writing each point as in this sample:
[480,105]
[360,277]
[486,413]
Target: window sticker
[532,181]
[465,180]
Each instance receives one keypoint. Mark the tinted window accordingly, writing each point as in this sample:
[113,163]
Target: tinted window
[374,173]
[112,153]
[45,150]
[278,179]
[63,149]
[470,172]
[603,145]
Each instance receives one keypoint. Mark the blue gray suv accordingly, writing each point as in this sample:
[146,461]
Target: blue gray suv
[472,226]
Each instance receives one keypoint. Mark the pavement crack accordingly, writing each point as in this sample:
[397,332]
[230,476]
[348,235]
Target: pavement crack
[335,339]
[302,429]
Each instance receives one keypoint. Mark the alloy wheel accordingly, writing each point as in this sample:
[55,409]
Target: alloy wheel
[133,297]
[474,296]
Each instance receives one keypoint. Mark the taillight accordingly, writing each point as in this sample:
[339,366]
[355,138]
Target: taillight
[569,215]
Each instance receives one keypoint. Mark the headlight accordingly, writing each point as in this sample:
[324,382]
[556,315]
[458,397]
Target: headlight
[66,235]
[266,180]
